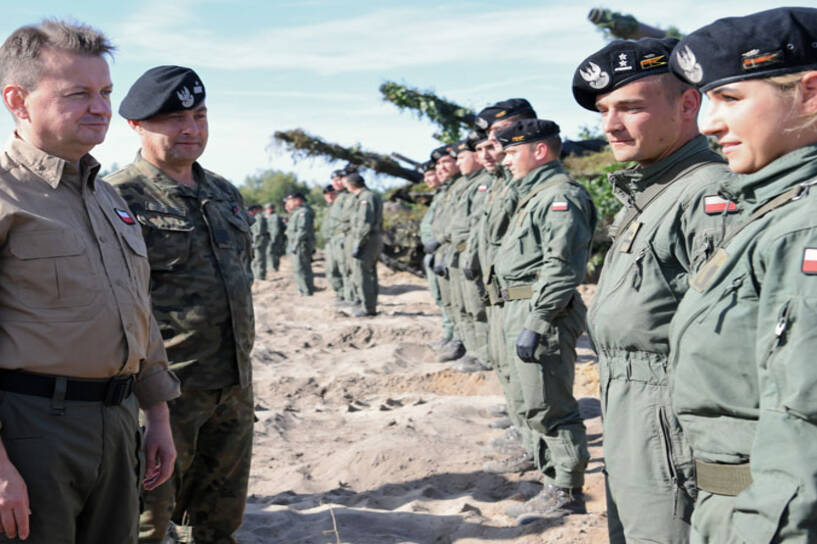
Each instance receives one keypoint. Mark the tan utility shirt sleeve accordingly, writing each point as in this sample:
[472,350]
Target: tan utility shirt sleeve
[74,277]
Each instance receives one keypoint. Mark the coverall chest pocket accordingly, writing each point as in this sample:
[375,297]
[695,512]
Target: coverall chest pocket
[48,269]
[168,238]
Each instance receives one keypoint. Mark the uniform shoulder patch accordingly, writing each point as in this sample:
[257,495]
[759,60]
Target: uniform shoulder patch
[128,219]
[559,206]
[363,202]
[482,188]
[809,265]
[714,205]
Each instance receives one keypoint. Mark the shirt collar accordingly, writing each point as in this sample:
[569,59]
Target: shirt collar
[51,169]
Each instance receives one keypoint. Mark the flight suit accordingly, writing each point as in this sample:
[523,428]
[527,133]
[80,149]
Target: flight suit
[426,237]
[367,241]
[260,246]
[301,244]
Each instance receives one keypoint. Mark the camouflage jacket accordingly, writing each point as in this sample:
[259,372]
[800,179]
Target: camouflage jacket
[301,228]
[199,248]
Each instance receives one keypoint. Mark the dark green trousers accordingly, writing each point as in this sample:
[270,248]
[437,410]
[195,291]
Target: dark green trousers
[364,273]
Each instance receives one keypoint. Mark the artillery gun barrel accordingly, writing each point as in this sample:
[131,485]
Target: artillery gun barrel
[623,25]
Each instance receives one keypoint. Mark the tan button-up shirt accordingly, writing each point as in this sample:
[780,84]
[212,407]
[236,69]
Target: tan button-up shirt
[74,276]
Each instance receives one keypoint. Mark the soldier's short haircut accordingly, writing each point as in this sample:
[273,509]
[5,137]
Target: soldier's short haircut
[20,61]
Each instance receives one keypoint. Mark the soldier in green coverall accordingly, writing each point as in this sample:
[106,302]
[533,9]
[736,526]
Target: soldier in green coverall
[301,241]
[744,336]
[335,258]
[672,220]
[277,237]
[260,242]
[332,271]
[366,236]
[344,224]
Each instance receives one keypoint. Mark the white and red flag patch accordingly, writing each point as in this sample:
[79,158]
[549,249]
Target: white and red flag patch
[124,216]
[809,261]
[482,188]
[559,206]
[715,204]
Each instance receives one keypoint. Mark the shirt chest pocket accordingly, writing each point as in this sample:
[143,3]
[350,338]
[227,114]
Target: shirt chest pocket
[48,269]
[168,238]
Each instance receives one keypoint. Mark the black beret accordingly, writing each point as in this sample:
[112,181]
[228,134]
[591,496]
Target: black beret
[459,147]
[619,63]
[163,89]
[269,205]
[349,169]
[506,108]
[428,166]
[329,189]
[255,207]
[295,194]
[441,152]
[474,138]
[338,173]
[526,131]
[765,44]
[356,180]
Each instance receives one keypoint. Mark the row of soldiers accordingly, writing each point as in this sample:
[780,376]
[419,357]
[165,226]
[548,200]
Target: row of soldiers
[703,318]
[269,239]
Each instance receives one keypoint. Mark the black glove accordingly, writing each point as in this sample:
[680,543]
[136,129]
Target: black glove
[526,344]
[428,262]
[469,273]
[356,252]
[431,247]
[439,266]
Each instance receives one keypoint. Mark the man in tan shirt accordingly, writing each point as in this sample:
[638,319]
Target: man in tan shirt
[77,336]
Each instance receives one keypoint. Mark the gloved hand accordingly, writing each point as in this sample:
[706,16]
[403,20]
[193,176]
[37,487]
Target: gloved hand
[469,273]
[431,247]
[356,252]
[526,344]
[439,266]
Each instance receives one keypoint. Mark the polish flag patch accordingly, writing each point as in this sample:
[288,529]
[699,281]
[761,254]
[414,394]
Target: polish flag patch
[809,261]
[714,205]
[482,188]
[124,216]
[559,206]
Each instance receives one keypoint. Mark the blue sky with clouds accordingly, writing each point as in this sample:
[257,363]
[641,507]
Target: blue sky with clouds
[316,64]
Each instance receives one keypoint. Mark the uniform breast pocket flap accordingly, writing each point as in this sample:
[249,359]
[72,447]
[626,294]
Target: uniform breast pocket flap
[168,239]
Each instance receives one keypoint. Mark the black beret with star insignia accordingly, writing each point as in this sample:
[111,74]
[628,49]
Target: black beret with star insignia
[441,152]
[350,169]
[163,89]
[503,110]
[459,147]
[295,194]
[338,173]
[427,166]
[619,63]
[474,138]
[527,131]
[764,44]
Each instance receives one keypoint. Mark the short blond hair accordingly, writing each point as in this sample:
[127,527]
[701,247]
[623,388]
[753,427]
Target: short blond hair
[788,85]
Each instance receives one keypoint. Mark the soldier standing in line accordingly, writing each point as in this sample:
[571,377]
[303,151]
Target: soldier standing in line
[301,241]
[430,245]
[672,220]
[329,196]
[366,232]
[336,271]
[260,242]
[345,214]
[277,237]
[466,205]
[540,264]
[199,246]
[81,352]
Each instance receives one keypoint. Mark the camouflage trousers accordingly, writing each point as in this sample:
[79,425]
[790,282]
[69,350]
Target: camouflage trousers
[549,409]
[259,261]
[213,432]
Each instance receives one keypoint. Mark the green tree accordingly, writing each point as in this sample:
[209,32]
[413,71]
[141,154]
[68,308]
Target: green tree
[454,120]
[271,186]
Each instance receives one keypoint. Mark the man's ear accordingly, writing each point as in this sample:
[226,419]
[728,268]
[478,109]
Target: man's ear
[690,104]
[136,126]
[808,85]
[14,97]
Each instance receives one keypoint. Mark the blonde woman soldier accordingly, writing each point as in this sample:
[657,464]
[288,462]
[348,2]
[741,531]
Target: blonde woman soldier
[745,334]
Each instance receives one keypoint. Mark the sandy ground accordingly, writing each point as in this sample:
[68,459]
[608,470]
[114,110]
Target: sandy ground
[362,437]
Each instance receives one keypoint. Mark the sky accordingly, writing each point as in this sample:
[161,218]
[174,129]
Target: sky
[272,65]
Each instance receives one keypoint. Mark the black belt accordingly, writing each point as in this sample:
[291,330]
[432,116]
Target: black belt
[111,392]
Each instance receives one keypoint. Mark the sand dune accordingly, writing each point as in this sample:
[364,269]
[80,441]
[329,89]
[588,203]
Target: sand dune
[363,438]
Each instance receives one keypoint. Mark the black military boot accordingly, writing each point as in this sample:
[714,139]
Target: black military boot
[454,351]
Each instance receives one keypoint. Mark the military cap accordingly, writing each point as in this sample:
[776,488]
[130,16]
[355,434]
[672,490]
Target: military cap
[338,173]
[428,166]
[441,152]
[329,189]
[356,180]
[269,205]
[255,207]
[764,44]
[459,147]
[349,169]
[295,194]
[163,89]
[617,64]
[504,109]
[474,138]
[526,131]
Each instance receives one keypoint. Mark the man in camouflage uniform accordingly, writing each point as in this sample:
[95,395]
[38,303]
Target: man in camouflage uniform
[672,220]
[260,242]
[430,245]
[336,259]
[199,248]
[367,242]
[277,237]
[301,241]
[345,215]
[538,266]
[466,297]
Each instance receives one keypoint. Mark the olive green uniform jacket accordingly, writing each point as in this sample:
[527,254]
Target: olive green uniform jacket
[744,375]
[367,237]
[650,477]
[260,246]
[300,245]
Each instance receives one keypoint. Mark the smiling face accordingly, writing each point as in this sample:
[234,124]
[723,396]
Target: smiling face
[446,168]
[68,111]
[175,140]
[751,120]
[642,121]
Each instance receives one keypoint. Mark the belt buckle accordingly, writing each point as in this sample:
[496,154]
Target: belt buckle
[118,390]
